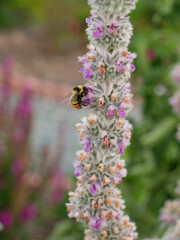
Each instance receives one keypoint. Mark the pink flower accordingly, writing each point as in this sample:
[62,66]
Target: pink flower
[29,213]
[6,218]
[150,55]
[98,32]
[112,28]
[17,167]
[88,144]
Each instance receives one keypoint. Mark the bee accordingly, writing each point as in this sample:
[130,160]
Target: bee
[78,93]
[76,97]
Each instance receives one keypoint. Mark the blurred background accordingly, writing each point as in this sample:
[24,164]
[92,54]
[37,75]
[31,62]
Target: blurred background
[39,44]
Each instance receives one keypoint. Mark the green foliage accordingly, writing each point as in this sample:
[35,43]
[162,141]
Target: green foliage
[67,230]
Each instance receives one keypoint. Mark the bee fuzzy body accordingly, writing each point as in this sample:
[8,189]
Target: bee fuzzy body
[78,93]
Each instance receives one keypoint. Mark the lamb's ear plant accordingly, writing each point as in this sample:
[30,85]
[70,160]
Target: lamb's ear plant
[107,67]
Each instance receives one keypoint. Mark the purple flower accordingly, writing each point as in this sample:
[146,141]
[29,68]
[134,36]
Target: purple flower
[132,56]
[120,61]
[77,165]
[98,32]
[24,108]
[132,68]
[77,174]
[88,144]
[120,68]
[92,14]
[29,213]
[6,219]
[82,60]
[88,72]
[119,214]
[117,180]
[112,28]
[88,99]
[121,112]
[96,224]
[90,89]
[110,112]
[127,86]
[95,187]
[121,146]
[88,20]
[17,167]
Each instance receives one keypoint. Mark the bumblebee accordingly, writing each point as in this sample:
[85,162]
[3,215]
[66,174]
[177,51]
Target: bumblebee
[77,96]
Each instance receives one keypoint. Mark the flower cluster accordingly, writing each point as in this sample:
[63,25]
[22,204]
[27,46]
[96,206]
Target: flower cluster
[97,67]
[122,7]
[109,34]
[175,100]
[105,133]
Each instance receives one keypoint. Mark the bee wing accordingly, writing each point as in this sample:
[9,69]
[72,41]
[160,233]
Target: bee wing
[67,100]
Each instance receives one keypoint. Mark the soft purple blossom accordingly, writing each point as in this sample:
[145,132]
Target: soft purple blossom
[92,14]
[96,224]
[88,72]
[83,60]
[88,20]
[121,68]
[121,112]
[29,213]
[89,98]
[112,28]
[77,174]
[6,218]
[90,89]
[77,165]
[120,61]
[121,146]
[132,68]
[98,32]
[95,187]
[127,86]
[88,144]
[110,111]
[132,56]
